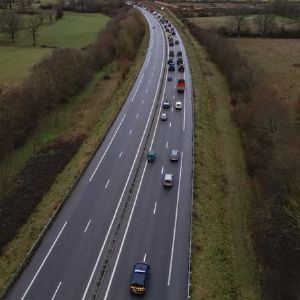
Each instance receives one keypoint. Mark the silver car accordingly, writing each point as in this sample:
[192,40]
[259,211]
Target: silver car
[174,155]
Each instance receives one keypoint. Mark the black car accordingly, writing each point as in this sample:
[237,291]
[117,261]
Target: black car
[139,278]
[171,68]
[171,53]
[171,44]
[170,61]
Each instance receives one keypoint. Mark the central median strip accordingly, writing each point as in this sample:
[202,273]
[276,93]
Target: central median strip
[113,240]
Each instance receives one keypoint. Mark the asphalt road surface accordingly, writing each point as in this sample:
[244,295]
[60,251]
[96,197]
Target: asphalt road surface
[119,213]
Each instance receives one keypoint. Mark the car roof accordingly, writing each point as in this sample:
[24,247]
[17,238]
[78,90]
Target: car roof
[174,151]
[141,267]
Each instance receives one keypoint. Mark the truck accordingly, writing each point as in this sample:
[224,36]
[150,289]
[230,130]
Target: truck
[180,85]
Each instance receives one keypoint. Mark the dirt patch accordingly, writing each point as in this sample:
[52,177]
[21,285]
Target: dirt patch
[32,182]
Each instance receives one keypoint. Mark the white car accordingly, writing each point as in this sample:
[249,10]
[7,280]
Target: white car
[163,117]
[178,105]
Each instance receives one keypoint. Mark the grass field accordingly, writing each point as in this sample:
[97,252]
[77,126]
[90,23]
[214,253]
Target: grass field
[223,264]
[278,62]
[75,30]
[227,22]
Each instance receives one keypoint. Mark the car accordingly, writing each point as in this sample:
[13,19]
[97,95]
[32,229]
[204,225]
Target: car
[171,44]
[151,156]
[139,278]
[166,103]
[171,53]
[168,181]
[170,78]
[167,30]
[163,117]
[174,155]
[179,61]
[176,42]
[173,33]
[178,105]
[170,61]
[179,53]
[171,68]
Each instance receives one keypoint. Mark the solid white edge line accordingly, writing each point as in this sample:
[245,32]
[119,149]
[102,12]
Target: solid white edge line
[175,223]
[54,295]
[113,219]
[43,262]
[91,178]
[87,226]
[137,88]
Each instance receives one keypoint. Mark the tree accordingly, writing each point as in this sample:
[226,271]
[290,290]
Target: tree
[10,23]
[265,23]
[238,21]
[33,24]
[23,4]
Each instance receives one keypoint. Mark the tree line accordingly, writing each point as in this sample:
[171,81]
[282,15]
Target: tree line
[272,148]
[63,73]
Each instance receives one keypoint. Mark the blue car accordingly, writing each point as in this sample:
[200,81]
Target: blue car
[139,278]
[170,78]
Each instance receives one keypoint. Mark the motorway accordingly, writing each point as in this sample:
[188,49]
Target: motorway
[119,213]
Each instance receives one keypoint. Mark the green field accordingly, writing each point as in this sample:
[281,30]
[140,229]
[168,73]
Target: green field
[75,30]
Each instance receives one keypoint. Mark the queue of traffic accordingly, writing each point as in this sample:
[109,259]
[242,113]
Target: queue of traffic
[141,271]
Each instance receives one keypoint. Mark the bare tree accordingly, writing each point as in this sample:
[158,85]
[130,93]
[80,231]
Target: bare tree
[238,21]
[265,23]
[33,24]
[10,23]
[24,4]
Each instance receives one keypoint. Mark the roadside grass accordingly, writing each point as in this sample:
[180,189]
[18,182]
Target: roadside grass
[250,23]
[75,30]
[278,62]
[95,110]
[223,264]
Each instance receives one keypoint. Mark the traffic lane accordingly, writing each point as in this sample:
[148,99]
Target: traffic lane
[145,228]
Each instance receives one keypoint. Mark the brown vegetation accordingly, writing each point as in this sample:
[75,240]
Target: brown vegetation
[32,182]
[272,147]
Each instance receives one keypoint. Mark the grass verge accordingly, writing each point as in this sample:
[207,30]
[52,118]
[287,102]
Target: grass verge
[223,263]
[16,251]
